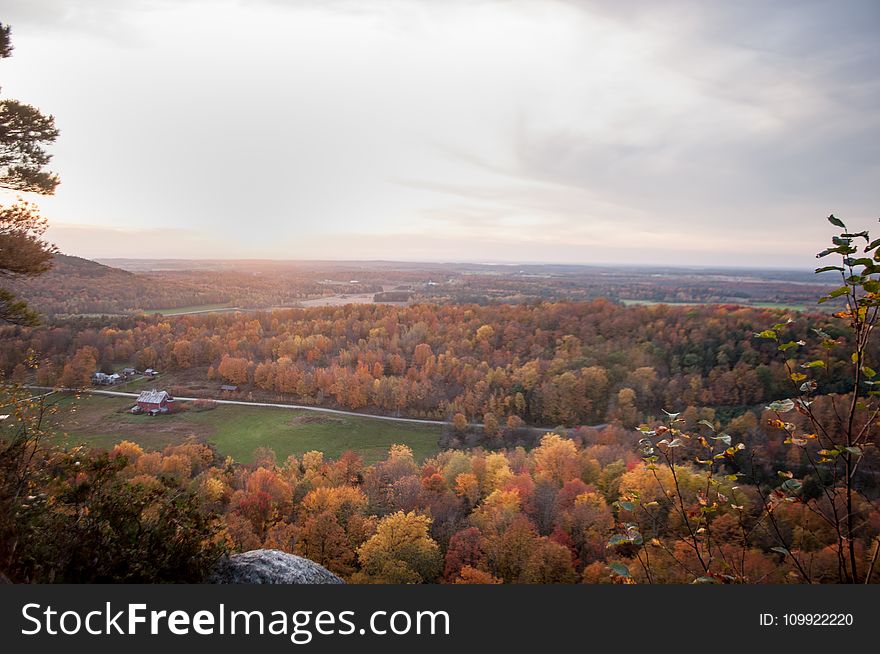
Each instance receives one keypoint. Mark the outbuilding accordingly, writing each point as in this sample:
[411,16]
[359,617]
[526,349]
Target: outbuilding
[153,399]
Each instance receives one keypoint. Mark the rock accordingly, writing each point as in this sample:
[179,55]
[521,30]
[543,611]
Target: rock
[270,567]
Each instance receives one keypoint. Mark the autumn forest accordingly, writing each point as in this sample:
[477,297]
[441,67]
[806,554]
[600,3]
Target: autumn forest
[406,422]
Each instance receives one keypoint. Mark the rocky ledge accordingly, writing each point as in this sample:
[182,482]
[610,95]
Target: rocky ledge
[270,567]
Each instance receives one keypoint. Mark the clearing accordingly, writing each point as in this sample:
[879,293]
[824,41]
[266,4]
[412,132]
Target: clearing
[201,308]
[237,431]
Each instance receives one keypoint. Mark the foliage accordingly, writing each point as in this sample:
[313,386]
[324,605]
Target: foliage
[834,449]
[779,494]
[400,552]
[24,133]
[74,516]
[828,491]
[558,364]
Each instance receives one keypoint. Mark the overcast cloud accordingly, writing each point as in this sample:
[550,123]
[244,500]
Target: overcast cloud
[689,133]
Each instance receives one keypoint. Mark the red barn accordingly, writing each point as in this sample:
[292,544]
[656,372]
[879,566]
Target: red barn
[153,399]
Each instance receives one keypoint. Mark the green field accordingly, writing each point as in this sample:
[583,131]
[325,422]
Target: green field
[193,309]
[238,430]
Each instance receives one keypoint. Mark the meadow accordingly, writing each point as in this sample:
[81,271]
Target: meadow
[237,431]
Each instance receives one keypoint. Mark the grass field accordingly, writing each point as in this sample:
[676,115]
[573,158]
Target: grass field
[201,308]
[237,430]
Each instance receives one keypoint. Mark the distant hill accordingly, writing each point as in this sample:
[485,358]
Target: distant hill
[65,264]
[77,286]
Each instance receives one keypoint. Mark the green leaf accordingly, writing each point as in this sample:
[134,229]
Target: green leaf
[855,451]
[829,269]
[724,438]
[781,406]
[626,506]
[837,222]
[818,363]
[619,569]
[767,333]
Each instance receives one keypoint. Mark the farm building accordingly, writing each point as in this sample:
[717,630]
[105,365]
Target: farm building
[153,399]
[129,372]
[149,372]
[229,388]
[101,379]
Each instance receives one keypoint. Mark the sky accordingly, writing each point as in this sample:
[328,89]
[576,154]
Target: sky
[676,133]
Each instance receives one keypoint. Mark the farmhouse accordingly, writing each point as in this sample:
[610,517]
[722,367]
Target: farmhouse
[153,399]
[229,388]
[149,372]
[103,379]
[129,372]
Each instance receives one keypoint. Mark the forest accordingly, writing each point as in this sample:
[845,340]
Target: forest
[734,486]
[547,364]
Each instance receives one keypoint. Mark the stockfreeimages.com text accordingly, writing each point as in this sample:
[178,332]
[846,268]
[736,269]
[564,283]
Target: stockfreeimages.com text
[300,626]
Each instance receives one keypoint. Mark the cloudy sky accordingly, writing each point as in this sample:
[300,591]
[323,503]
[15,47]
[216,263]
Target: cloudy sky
[544,130]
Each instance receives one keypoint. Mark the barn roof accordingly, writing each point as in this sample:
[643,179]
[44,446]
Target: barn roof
[153,396]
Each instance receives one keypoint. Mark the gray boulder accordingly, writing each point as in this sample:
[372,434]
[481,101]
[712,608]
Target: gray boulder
[270,567]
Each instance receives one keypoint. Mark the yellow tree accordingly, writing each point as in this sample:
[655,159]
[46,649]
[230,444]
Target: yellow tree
[400,552]
[557,459]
